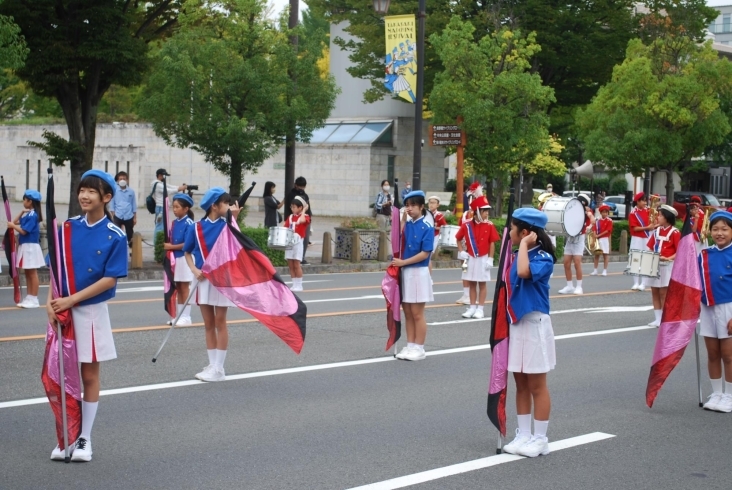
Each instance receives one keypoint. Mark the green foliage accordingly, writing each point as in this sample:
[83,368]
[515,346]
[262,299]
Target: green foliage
[661,109]
[58,149]
[159,251]
[618,227]
[18,102]
[259,236]
[360,224]
[451,219]
[13,49]
[451,185]
[618,187]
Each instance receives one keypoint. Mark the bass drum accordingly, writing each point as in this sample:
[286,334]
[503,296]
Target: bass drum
[565,216]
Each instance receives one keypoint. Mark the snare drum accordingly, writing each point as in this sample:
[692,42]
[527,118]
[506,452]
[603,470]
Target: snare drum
[280,238]
[447,238]
[565,216]
[643,263]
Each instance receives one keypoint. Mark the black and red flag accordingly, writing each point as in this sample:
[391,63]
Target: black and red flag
[10,246]
[391,284]
[681,312]
[60,372]
[170,292]
[498,383]
[240,271]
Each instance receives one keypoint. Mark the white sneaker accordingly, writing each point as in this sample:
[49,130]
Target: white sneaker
[184,321]
[536,446]
[636,287]
[402,353]
[578,290]
[58,454]
[464,300]
[29,303]
[566,290]
[725,403]
[593,273]
[205,371]
[470,312]
[518,441]
[642,287]
[295,287]
[82,450]
[478,314]
[215,374]
[604,273]
[654,323]
[415,354]
[713,401]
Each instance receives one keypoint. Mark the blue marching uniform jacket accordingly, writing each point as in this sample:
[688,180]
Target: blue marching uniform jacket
[715,268]
[29,223]
[419,236]
[179,231]
[201,238]
[527,295]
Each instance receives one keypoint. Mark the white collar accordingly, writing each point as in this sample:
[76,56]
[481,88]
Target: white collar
[83,220]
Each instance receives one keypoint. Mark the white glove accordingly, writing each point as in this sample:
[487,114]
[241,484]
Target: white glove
[488,263]
[463,256]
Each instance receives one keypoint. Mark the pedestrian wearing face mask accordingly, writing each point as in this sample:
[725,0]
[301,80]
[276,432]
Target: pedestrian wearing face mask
[382,206]
[123,206]
[407,189]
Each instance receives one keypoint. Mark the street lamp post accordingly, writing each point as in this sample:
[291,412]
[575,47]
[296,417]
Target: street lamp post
[382,7]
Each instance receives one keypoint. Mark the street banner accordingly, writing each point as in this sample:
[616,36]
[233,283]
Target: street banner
[400,63]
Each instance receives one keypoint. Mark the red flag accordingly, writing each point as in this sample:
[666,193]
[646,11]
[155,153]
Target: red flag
[170,292]
[498,383]
[680,314]
[10,246]
[51,372]
[241,272]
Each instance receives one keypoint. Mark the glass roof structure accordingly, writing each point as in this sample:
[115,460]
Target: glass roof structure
[374,133]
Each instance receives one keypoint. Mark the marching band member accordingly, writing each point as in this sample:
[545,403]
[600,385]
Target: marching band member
[475,190]
[298,222]
[603,231]
[664,241]
[416,286]
[93,256]
[641,229]
[715,264]
[574,248]
[182,274]
[214,305]
[434,202]
[30,256]
[697,219]
[480,237]
[531,350]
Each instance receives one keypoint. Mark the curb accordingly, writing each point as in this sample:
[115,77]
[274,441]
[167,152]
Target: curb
[153,271]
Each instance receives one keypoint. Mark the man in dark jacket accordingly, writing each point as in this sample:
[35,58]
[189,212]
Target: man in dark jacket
[299,190]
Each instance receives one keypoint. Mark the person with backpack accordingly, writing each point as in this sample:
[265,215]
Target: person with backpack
[157,195]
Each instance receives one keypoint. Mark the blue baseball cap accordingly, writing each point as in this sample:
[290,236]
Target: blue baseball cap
[532,216]
[211,196]
[183,197]
[720,214]
[32,195]
[414,194]
[102,175]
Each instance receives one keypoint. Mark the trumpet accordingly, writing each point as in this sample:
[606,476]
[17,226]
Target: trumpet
[704,232]
[653,208]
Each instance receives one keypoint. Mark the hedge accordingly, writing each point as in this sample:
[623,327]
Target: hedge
[259,236]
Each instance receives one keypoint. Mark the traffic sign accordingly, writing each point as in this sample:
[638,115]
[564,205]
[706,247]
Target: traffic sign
[445,135]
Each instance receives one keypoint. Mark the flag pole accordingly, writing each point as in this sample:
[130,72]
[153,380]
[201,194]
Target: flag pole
[499,448]
[698,368]
[177,317]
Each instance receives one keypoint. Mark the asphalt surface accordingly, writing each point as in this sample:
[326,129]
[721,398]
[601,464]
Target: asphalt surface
[362,417]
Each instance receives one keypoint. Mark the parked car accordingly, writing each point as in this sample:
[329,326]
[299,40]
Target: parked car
[613,207]
[619,202]
[681,199]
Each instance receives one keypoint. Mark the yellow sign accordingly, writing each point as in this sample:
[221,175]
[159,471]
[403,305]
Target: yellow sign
[400,63]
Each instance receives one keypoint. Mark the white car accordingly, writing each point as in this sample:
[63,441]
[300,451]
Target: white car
[620,203]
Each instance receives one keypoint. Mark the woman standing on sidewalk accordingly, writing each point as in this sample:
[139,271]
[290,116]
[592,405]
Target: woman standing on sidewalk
[272,216]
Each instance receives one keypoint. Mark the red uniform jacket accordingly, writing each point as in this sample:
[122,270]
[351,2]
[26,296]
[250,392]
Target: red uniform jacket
[478,236]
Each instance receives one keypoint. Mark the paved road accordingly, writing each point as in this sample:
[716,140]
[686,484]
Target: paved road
[344,414]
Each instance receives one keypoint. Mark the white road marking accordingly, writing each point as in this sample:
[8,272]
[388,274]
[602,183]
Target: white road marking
[372,296]
[302,369]
[600,309]
[477,464]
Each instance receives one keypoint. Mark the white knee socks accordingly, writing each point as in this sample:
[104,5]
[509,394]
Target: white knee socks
[220,358]
[717,385]
[211,356]
[658,314]
[88,412]
[524,424]
[540,427]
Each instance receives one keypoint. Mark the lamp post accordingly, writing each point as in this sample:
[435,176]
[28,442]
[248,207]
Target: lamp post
[382,7]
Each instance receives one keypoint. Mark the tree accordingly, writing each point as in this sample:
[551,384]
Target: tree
[78,49]
[661,109]
[220,85]
[13,49]
[502,103]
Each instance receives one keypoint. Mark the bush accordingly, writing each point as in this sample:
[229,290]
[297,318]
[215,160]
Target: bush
[618,226]
[259,236]
[618,187]
[451,219]
[360,224]
[159,251]
[451,185]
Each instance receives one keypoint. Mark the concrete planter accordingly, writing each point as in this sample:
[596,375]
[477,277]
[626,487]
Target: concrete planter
[367,242]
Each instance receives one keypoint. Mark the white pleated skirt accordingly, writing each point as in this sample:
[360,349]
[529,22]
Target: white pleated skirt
[531,344]
[29,256]
[664,276]
[94,340]
[714,321]
[207,294]
[477,270]
[182,272]
[416,285]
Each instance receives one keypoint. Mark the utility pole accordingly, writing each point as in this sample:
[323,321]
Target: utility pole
[417,164]
[291,133]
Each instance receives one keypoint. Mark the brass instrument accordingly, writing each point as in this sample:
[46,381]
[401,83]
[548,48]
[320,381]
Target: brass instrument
[593,243]
[704,231]
[543,198]
[653,206]
[465,266]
